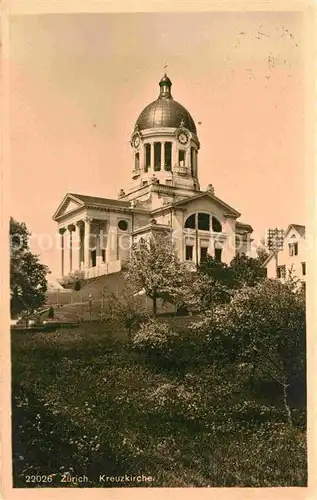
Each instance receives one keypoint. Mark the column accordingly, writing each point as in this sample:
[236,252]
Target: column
[187,158]
[61,232]
[173,155]
[87,232]
[79,224]
[98,246]
[71,228]
[152,156]
[108,247]
[162,155]
[196,163]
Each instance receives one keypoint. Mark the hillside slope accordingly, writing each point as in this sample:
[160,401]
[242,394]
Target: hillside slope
[75,305]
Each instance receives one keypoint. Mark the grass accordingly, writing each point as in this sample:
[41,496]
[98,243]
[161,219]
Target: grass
[84,402]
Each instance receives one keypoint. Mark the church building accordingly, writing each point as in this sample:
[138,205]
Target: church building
[164,196]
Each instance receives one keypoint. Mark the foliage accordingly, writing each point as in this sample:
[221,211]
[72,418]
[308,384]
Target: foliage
[265,326]
[246,271]
[243,270]
[262,251]
[125,308]
[152,335]
[77,285]
[51,312]
[27,275]
[156,268]
[198,428]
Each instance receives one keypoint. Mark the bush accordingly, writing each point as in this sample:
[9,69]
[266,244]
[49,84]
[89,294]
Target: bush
[51,312]
[263,325]
[153,336]
[77,286]
[126,309]
[170,348]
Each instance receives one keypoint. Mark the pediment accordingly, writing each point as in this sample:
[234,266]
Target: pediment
[68,205]
[212,200]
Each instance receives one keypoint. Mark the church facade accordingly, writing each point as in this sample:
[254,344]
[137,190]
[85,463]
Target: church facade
[164,195]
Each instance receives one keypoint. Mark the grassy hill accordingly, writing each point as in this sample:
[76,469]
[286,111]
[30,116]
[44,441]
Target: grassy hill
[84,402]
[96,286]
[75,304]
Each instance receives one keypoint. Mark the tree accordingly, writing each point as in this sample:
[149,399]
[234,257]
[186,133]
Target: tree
[28,282]
[51,313]
[263,326]
[242,270]
[77,285]
[262,251]
[198,292]
[125,308]
[246,271]
[156,268]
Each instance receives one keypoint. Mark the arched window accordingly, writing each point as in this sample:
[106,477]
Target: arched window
[216,226]
[201,221]
[204,222]
[191,222]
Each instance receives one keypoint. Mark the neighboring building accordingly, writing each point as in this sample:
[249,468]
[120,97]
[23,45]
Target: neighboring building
[291,258]
[164,195]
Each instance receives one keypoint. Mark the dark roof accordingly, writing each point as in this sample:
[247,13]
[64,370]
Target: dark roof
[95,200]
[201,194]
[242,225]
[165,112]
[299,228]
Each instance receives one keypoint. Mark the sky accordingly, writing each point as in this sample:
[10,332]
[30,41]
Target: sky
[78,83]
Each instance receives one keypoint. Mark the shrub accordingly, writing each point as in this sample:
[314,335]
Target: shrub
[77,286]
[126,309]
[51,312]
[153,336]
[263,325]
[175,350]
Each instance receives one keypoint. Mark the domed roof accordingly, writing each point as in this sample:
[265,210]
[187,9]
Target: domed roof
[165,112]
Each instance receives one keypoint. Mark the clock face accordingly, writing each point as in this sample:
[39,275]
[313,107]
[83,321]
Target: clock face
[136,141]
[183,138]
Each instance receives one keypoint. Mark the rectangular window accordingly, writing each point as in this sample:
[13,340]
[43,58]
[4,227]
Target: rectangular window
[168,156]
[103,255]
[293,249]
[181,157]
[281,272]
[218,252]
[203,252]
[157,156]
[189,252]
[304,268]
[137,161]
[147,156]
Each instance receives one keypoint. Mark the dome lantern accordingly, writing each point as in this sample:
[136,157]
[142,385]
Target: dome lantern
[165,111]
[165,88]
[165,144]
